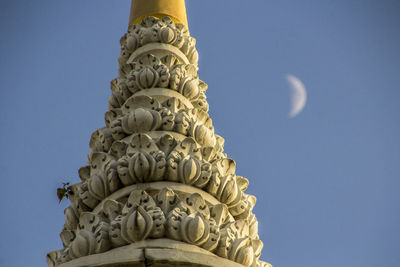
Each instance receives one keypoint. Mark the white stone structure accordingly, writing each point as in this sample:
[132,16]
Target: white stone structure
[158,189]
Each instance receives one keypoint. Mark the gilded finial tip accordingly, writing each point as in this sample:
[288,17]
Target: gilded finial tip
[158,8]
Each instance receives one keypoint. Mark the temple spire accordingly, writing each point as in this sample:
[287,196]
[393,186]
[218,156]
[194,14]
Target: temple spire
[158,189]
[158,8]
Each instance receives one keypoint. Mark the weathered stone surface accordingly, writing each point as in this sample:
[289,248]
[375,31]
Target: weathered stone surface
[158,187]
[160,252]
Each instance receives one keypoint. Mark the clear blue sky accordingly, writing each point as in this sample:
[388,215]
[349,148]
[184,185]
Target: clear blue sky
[327,182]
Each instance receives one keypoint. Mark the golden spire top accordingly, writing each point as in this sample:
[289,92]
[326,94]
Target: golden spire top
[158,8]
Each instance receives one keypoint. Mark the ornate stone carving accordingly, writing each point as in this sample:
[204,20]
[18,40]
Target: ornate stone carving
[158,131]
[189,219]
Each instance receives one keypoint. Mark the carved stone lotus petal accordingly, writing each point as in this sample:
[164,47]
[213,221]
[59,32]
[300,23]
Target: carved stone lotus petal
[141,120]
[87,198]
[84,172]
[147,78]
[83,245]
[131,42]
[195,229]
[208,153]
[214,184]
[242,183]
[205,175]
[157,120]
[203,135]
[67,236]
[136,225]
[53,258]
[228,191]
[145,168]
[167,35]
[189,88]
[166,199]
[242,252]
[71,218]
[220,213]
[140,167]
[257,247]
[242,209]
[113,180]
[99,186]
[189,170]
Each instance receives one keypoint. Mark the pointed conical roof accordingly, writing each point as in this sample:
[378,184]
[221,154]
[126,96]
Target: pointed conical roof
[158,188]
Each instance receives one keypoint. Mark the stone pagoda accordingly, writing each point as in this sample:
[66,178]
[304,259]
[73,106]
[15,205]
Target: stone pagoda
[158,189]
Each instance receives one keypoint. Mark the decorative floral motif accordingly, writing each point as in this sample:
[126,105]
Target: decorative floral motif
[142,114]
[164,214]
[150,71]
[153,30]
[142,159]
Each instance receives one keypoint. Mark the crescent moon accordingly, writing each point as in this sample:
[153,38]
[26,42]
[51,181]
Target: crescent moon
[298,95]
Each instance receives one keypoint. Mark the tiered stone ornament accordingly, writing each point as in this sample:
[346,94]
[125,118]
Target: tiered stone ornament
[158,189]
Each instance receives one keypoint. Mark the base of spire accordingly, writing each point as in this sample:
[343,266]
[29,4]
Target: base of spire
[159,252]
